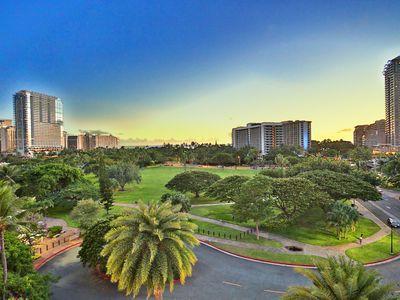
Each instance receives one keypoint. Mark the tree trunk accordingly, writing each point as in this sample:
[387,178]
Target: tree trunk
[4,263]
[197,194]
[158,295]
[257,231]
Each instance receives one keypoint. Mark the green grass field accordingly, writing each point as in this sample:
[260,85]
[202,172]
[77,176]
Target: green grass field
[277,257]
[310,229]
[375,251]
[154,179]
[249,238]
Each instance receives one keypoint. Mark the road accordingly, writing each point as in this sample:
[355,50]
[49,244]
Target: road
[215,276]
[389,206]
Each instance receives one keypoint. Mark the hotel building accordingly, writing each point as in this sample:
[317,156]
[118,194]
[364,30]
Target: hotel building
[7,136]
[268,135]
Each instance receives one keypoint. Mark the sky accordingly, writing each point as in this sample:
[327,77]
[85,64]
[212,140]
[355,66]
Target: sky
[173,71]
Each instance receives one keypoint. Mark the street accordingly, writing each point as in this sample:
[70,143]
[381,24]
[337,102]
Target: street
[388,207]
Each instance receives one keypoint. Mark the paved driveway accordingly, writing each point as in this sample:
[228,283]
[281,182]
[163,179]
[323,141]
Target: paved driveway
[216,276]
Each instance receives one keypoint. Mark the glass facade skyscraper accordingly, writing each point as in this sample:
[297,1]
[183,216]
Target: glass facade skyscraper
[38,122]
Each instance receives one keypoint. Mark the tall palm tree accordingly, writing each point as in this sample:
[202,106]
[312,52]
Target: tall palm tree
[10,173]
[340,278]
[150,246]
[10,211]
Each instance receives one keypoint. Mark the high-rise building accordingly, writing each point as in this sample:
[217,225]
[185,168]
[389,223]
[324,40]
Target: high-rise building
[268,135]
[38,122]
[89,141]
[5,122]
[7,136]
[7,139]
[392,101]
[370,135]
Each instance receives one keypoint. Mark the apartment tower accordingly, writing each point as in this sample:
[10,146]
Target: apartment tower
[268,135]
[392,101]
[38,122]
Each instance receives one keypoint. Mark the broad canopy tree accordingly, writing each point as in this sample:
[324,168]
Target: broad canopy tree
[342,186]
[226,189]
[254,202]
[192,181]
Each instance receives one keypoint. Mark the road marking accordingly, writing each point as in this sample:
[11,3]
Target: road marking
[381,209]
[276,292]
[231,283]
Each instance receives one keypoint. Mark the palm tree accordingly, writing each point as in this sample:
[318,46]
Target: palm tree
[342,217]
[340,278]
[10,173]
[10,211]
[150,246]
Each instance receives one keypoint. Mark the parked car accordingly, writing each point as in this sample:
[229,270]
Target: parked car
[393,223]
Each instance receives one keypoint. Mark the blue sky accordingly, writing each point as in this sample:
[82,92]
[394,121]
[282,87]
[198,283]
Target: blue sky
[153,71]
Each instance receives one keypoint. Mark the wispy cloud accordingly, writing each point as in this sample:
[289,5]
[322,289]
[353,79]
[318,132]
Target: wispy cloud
[345,130]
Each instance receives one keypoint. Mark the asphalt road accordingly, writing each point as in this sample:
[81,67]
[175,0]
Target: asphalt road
[216,276]
[389,206]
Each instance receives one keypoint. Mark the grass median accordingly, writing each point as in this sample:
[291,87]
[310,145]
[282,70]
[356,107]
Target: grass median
[376,251]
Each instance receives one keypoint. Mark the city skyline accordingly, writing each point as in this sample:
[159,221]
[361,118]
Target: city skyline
[150,73]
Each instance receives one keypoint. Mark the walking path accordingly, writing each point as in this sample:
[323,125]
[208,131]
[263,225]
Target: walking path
[323,251]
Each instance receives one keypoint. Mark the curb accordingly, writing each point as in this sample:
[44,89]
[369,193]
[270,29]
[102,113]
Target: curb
[290,265]
[40,264]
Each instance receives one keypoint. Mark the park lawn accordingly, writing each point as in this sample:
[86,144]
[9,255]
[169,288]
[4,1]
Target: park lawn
[62,213]
[155,178]
[376,251]
[310,228]
[272,256]
[248,238]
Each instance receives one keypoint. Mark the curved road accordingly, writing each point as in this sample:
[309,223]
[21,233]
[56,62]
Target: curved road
[215,276]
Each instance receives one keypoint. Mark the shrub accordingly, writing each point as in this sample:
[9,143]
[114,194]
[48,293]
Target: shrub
[177,199]
[54,230]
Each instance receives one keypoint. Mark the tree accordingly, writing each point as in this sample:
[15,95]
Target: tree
[360,155]
[93,243]
[342,217]
[254,201]
[86,213]
[42,180]
[10,173]
[319,163]
[226,189]
[223,159]
[340,279]
[342,186]
[294,196]
[10,211]
[150,246]
[124,173]
[106,187]
[192,181]
[177,199]
[69,196]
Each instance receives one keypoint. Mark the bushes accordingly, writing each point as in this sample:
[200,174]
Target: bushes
[275,172]
[23,281]
[54,230]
